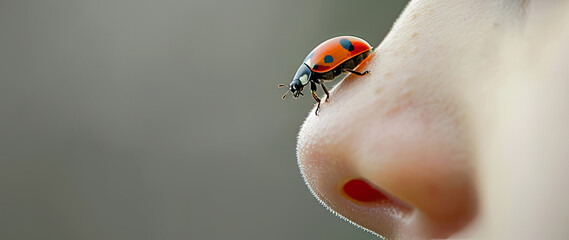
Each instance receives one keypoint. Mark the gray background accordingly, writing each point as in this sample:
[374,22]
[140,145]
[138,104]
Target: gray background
[123,119]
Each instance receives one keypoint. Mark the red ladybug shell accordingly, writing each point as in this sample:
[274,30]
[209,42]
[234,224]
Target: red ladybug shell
[334,52]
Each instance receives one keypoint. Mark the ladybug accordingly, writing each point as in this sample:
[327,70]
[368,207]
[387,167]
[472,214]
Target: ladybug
[326,62]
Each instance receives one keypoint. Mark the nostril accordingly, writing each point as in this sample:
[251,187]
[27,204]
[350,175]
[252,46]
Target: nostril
[360,190]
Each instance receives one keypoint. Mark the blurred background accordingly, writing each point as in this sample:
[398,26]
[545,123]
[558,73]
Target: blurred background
[124,119]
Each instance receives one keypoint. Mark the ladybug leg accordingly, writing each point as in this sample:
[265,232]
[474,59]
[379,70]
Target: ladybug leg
[356,72]
[313,90]
[325,90]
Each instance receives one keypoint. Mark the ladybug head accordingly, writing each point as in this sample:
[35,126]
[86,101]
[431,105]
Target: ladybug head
[296,88]
[301,78]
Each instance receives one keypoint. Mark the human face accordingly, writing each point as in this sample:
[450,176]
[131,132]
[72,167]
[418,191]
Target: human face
[456,89]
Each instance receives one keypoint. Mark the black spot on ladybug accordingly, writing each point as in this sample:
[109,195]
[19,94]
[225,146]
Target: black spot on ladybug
[328,59]
[315,67]
[347,44]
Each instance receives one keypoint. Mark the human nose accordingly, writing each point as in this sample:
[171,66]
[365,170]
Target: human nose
[390,154]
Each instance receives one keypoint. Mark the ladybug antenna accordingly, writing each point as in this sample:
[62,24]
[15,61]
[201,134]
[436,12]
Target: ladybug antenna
[281,86]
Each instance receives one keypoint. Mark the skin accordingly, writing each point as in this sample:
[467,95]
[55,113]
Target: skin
[461,123]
